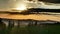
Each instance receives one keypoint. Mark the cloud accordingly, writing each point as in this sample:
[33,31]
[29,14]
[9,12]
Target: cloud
[53,1]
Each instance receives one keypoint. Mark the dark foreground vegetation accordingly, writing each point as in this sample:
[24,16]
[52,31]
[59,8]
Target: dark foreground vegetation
[42,28]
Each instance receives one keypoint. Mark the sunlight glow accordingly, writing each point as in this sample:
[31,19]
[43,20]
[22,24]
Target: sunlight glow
[21,7]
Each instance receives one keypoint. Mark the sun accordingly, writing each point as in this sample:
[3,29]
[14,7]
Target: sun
[21,7]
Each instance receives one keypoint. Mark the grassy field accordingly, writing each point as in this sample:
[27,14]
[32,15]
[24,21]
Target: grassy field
[42,29]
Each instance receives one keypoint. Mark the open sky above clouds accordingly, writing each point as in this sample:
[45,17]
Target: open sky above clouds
[6,4]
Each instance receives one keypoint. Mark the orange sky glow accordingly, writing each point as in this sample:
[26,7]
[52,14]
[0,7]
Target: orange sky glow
[32,16]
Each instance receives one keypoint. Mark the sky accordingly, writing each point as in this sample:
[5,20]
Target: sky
[32,16]
[53,1]
[6,4]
